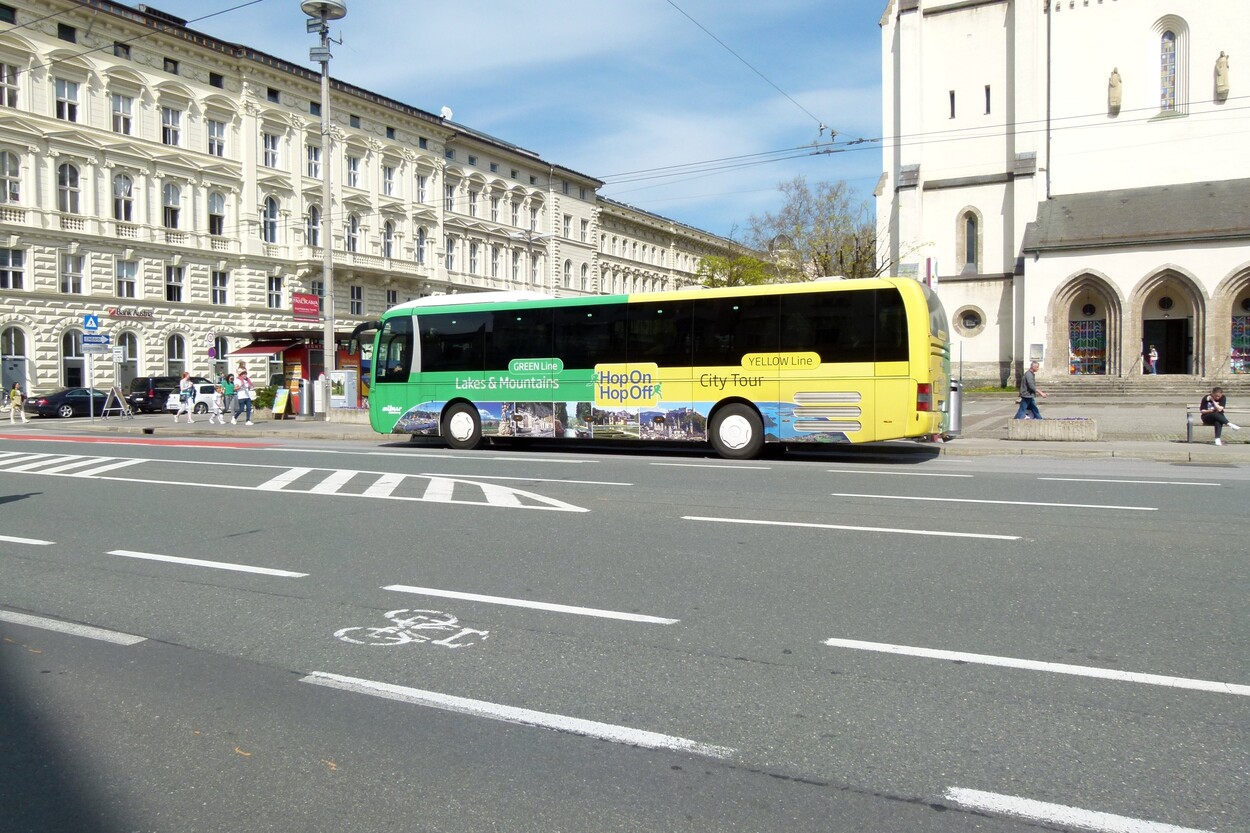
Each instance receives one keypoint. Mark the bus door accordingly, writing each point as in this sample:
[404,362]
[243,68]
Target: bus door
[658,372]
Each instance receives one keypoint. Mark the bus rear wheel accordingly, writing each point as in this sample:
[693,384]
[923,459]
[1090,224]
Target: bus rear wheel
[462,427]
[737,432]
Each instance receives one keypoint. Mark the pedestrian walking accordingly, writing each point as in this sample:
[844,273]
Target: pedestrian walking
[227,390]
[1212,410]
[16,400]
[244,391]
[1029,393]
[217,407]
[186,397]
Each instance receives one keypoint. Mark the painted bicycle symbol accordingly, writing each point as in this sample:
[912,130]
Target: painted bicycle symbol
[432,626]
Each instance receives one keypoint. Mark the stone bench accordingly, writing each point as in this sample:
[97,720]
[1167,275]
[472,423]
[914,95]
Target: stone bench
[1193,418]
[1060,430]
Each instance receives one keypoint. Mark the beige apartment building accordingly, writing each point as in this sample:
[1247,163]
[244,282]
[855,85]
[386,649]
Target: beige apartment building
[170,185]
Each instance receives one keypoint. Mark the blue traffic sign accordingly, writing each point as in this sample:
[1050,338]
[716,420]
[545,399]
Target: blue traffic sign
[91,323]
[96,338]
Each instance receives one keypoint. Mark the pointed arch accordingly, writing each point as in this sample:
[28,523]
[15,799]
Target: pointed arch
[1079,303]
[1171,294]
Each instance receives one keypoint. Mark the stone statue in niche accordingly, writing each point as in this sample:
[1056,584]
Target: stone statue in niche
[1221,76]
[1114,92]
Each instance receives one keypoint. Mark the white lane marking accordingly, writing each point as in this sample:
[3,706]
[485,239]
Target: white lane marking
[216,565]
[903,473]
[13,539]
[1057,814]
[22,458]
[555,608]
[333,482]
[44,460]
[714,466]
[288,477]
[527,479]
[458,455]
[1004,502]
[74,463]
[514,714]
[384,485]
[57,625]
[926,532]
[119,464]
[1147,482]
[439,490]
[1050,667]
[498,495]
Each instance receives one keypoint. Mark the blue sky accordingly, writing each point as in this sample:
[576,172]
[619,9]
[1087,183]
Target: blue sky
[610,88]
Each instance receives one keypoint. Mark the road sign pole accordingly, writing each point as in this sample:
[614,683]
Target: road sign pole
[90,387]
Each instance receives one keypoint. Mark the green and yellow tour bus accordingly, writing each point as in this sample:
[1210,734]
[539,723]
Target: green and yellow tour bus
[817,362]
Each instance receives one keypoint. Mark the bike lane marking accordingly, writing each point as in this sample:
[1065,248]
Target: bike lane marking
[1114,674]
[71,628]
[548,606]
[1057,814]
[216,565]
[514,714]
[1002,502]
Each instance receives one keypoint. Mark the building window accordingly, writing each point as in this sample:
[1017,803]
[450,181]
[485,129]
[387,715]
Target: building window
[473,248]
[354,121]
[1167,72]
[388,180]
[353,233]
[66,100]
[171,66]
[269,141]
[516,266]
[216,79]
[533,269]
[8,85]
[123,108]
[221,349]
[12,269]
[66,32]
[494,167]
[173,283]
[221,289]
[421,241]
[121,50]
[8,14]
[952,95]
[388,239]
[216,214]
[533,219]
[568,225]
[390,133]
[473,203]
[515,174]
[968,242]
[564,187]
[10,178]
[449,197]
[313,153]
[171,202]
[353,171]
[71,274]
[314,108]
[423,143]
[273,295]
[472,160]
[123,198]
[216,137]
[516,214]
[494,209]
[269,221]
[171,125]
[581,192]
[987,99]
[271,94]
[585,278]
[585,230]
[358,300]
[568,274]
[450,252]
[67,189]
[392,297]
[448,153]
[495,252]
[313,229]
[72,359]
[422,181]
[319,289]
[175,355]
[125,272]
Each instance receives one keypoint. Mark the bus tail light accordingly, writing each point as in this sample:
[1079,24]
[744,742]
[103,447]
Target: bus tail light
[924,397]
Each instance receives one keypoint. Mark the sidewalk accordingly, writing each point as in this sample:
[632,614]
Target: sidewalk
[1140,430]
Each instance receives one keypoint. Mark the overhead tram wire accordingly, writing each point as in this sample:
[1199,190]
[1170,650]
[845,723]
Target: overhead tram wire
[823,127]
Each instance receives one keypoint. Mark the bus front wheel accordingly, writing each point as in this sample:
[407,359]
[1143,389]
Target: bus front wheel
[736,432]
[462,427]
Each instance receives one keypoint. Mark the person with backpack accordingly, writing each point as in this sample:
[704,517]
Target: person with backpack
[244,391]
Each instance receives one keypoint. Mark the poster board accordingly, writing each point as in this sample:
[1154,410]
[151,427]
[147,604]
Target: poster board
[115,403]
[281,400]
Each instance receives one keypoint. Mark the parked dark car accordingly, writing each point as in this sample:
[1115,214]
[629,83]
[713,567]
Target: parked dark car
[149,393]
[66,402]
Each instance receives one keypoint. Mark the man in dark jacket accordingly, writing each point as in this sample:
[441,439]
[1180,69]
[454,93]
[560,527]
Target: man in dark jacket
[1029,393]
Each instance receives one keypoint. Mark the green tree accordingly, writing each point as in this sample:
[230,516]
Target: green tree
[819,231]
[735,270]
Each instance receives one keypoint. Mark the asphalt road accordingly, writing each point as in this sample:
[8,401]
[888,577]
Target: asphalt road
[374,637]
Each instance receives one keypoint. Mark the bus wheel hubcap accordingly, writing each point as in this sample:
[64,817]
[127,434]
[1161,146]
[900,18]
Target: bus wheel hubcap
[735,432]
[461,426]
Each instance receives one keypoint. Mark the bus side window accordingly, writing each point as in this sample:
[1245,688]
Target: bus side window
[393,361]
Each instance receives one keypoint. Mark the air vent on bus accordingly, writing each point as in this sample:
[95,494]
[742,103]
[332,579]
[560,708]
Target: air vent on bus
[827,398]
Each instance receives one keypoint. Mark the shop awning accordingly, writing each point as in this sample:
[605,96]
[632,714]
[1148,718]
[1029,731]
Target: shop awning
[257,348]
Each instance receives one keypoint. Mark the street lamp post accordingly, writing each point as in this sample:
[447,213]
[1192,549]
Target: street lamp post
[320,13]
